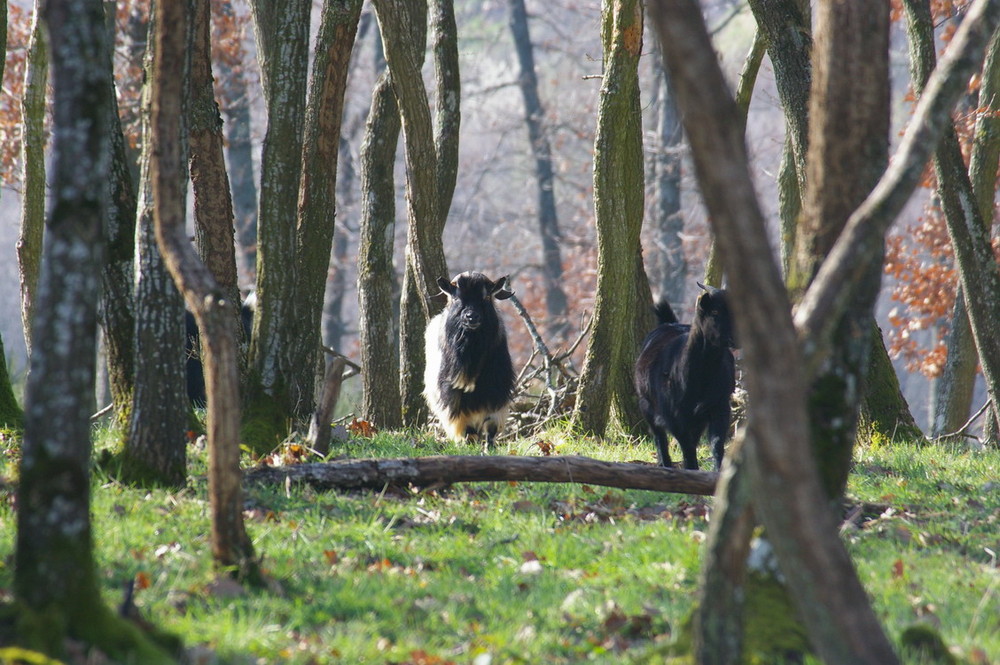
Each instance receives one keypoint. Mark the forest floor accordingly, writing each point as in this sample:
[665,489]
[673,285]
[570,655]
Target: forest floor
[493,573]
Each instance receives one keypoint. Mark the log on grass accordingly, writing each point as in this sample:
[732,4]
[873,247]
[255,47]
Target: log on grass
[442,470]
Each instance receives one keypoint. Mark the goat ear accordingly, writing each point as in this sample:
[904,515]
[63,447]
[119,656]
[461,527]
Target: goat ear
[500,288]
[446,286]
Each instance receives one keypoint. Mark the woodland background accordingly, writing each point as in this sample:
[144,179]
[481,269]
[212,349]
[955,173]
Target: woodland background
[493,223]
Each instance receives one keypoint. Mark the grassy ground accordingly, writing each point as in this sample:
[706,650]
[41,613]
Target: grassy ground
[519,573]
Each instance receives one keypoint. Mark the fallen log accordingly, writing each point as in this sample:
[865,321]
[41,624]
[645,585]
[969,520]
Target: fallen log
[421,472]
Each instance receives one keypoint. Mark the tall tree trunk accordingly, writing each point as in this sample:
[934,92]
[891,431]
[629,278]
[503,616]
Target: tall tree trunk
[11,414]
[829,596]
[849,148]
[55,578]
[214,307]
[282,35]
[669,266]
[317,192]
[29,243]
[376,277]
[155,451]
[618,203]
[548,221]
[239,148]
[954,399]
[213,203]
[970,234]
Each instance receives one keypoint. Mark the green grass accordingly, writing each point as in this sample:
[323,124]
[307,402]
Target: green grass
[519,573]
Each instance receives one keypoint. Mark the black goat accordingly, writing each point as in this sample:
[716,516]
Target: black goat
[469,377]
[194,372]
[685,376]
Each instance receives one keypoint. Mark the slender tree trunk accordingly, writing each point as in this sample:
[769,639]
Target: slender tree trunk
[155,451]
[55,577]
[239,148]
[376,277]
[954,400]
[548,222]
[213,203]
[618,203]
[211,302]
[11,415]
[29,243]
[970,233]
[317,193]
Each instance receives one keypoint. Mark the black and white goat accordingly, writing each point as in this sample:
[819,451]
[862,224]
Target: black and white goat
[469,377]
[685,376]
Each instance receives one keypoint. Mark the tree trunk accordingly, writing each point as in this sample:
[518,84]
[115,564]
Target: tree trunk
[376,277]
[548,222]
[213,203]
[668,265]
[964,214]
[848,152]
[829,596]
[55,577]
[317,192]
[239,148]
[29,243]
[376,474]
[618,203]
[155,451]
[213,308]
[404,36]
[955,396]
[277,389]
[11,414]
[117,310]
[884,413]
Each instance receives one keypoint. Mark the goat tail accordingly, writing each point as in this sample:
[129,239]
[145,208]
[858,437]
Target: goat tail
[664,312]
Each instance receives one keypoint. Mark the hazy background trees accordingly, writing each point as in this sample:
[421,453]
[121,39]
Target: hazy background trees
[490,229]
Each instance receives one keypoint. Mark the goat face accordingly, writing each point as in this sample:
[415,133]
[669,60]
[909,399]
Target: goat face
[469,378]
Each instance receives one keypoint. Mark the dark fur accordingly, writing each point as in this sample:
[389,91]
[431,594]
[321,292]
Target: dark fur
[685,376]
[469,377]
[193,369]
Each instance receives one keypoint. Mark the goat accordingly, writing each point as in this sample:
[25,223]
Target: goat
[194,372]
[468,376]
[685,376]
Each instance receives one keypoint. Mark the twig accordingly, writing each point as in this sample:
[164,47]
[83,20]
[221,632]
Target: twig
[963,430]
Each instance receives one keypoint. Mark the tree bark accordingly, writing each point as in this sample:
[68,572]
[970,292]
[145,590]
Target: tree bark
[29,242]
[214,313]
[378,332]
[11,414]
[828,594]
[954,399]
[964,214]
[55,578]
[548,221]
[276,388]
[618,203]
[317,191]
[155,450]
[213,203]
[239,148]
[436,470]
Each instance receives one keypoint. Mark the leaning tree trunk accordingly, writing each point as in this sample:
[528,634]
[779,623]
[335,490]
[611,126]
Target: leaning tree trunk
[970,234]
[211,302]
[829,596]
[378,332]
[548,222]
[155,450]
[954,399]
[55,578]
[618,203]
[29,243]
